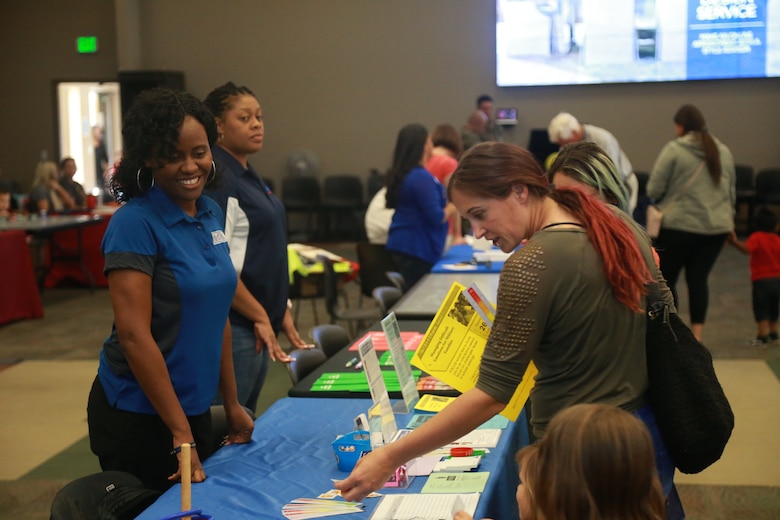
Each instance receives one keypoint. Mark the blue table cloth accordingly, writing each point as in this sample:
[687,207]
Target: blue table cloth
[458,259]
[290,457]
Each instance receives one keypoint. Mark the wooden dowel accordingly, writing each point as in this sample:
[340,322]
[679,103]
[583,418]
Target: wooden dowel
[186,477]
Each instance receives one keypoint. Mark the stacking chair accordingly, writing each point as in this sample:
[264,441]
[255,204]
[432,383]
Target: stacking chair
[642,178]
[330,338]
[301,198]
[375,183]
[768,186]
[386,297]
[357,317]
[746,192]
[304,361]
[374,262]
[397,279]
[342,206]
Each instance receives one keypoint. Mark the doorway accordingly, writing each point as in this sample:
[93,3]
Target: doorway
[90,129]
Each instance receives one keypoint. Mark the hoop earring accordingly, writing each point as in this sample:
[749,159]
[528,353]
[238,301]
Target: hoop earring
[138,181]
[212,173]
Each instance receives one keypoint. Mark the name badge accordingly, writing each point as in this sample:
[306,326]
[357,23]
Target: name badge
[218,237]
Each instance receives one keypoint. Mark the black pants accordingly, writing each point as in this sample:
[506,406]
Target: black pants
[137,443]
[766,299]
[697,254]
[411,267]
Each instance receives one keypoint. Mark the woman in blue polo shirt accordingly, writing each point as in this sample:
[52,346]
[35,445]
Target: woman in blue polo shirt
[256,229]
[419,227]
[171,283]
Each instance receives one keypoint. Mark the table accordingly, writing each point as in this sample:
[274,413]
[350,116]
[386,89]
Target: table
[47,228]
[458,259]
[290,457]
[19,297]
[338,363]
[423,300]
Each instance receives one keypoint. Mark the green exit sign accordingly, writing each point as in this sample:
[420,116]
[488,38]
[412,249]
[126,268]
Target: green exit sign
[86,44]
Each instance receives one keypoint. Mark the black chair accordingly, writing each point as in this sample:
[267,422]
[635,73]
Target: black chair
[304,361]
[108,494]
[642,178]
[330,338]
[768,186]
[306,288]
[356,317]
[386,297]
[374,262]
[301,198]
[397,279]
[746,191]
[342,206]
[375,183]
[219,425]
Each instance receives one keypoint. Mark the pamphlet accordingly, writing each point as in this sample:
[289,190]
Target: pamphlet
[453,344]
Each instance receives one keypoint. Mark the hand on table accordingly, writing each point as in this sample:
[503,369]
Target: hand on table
[240,426]
[196,469]
[288,327]
[265,336]
[370,474]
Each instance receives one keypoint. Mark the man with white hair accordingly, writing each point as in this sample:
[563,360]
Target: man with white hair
[565,129]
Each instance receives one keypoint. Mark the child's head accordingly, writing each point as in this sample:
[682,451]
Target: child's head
[765,219]
[5,200]
[595,461]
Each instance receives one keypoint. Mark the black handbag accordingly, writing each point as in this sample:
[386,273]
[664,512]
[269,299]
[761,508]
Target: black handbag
[692,412]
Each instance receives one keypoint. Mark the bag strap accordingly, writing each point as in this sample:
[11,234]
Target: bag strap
[685,186]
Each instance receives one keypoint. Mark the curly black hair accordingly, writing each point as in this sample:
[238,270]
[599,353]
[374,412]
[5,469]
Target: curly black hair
[218,100]
[151,131]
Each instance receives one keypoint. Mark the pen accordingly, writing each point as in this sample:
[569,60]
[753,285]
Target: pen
[359,365]
[351,362]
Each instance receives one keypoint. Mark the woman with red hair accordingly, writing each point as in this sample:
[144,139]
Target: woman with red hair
[572,300]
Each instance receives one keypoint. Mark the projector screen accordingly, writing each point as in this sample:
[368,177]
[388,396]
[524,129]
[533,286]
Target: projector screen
[570,42]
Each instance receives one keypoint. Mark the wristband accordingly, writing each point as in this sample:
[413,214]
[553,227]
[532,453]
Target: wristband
[177,449]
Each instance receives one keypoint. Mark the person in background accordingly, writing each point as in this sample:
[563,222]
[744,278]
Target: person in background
[5,201]
[12,187]
[763,246]
[378,217]
[419,227]
[565,129]
[46,194]
[101,152]
[171,283]
[550,310]
[693,183]
[256,230]
[493,131]
[75,190]
[586,164]
[473,132]
[447,148]
[596,462]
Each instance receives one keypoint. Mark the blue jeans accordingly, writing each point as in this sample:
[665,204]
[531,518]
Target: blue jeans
[664,464]
[250,366]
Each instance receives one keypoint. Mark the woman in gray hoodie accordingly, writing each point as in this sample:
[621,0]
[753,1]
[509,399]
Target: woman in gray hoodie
[693,183]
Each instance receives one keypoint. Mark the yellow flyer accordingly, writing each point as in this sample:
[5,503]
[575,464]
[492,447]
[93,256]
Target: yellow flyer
[452,349]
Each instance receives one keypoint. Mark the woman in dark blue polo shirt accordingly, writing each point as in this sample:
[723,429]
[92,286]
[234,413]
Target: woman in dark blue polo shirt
[256,229]
[171,283]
